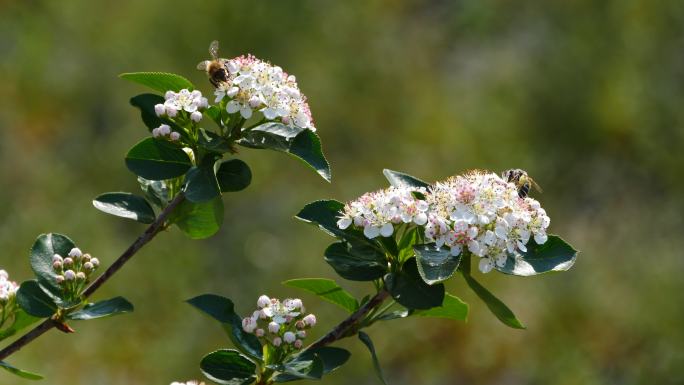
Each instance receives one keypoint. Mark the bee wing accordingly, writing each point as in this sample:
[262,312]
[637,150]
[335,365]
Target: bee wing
[203,65]
[535,185]
[213,49]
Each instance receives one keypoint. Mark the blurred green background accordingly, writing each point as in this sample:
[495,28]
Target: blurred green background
[585,95]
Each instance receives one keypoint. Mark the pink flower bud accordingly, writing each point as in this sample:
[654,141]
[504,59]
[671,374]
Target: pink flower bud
[300,324]
[68,261]
[273,327]
[277,341]
[59,279]
[174,136]
[80,276]
[263,301]
[57,258]
[310,320]
[298,344]
[289,337]
[95,262]
[196,116]
[88,266]
[259,332]
[69,275]
[75,253]
[159,109]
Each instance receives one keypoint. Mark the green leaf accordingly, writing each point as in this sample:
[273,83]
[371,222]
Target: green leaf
[21,321]
[199,220]
[214,113]
[326,289]
[106,308]
[223,310]
[302,143]
[159,81]
[324,214]
[201,183]
[498,308]
[35,301]
[44,248]
[145,103]
[397,314]
[452,308]
[125,205]
[214,143]
[376,364]
[409,289]
[303,367]
[228,367]
[406,243]
[19,372]
[400,179]
[233,175]
[332,357]
[553,255]
[435,265]
[356,262]
[156,191]
[157,159]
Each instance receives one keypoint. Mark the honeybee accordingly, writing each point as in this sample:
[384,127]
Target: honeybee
[522,181]
[216,67]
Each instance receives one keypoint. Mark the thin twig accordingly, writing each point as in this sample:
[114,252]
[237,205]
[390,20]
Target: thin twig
[151,231]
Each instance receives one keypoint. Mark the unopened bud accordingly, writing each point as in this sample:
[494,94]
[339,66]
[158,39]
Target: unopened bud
[86,257]
[95,262]
[159,109]
[298,344]
[300,324]
[310,320]
[155,132]
[259,332]
[196,116]
[68,261]
[57,257]
[59,279]
[57,265]
[289,337]
[273,327]
[263,301]
[80,276]
[277,341]
[69,275]
[174,136]
[301,334]
[75,253]
[171,112]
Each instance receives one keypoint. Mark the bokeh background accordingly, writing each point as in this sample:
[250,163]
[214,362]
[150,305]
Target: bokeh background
[586,95]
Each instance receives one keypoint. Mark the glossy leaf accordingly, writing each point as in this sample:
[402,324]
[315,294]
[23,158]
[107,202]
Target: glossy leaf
[553,255]
[409,289]
[145,103]
[307,147]
[356,262]
[157,191]
[498,308]
[435,265]
[101,309]
[328,290]
[199,220]
[21,321]
[213,142]
[303,367]
[125,205]
[35,301]
[400,179]
[233,175]
[376,363]
[452,308]
[21,373]
[406,243]
[228,367]
[324,214]
[201,183]
[44,248]
[159,81]
[157,159]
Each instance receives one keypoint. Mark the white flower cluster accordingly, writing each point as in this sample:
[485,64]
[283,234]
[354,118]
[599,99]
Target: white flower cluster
[277,322]
[254,84]
[74,271]
[8,289]
[190,102]
[478,212]
[378,212]
[164,131]
[191,382]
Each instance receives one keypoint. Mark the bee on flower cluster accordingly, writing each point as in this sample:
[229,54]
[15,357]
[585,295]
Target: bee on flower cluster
[521,180]
[216,67]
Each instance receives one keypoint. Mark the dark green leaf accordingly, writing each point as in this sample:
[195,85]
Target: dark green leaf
[21,321]
[356,262]
[199,220]
[554,255]
[159,81]
[304,367]
[332,357]
[35,301]
[214,113]
[376,364]
[399,179]
[324,214]
[397,314]
[19,372]
[498,308]
[44,248]
[145,103]
[106,308]
[233,175]
[435,265]
[213,142]
[157,159]
[406,243]
[228,367]
[409,289]
[125,205]
[326,289]
[201,183]
[301,143]
[452,308]
[156,191]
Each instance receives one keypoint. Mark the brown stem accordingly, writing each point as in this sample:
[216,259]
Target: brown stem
[340,331]
[151,231]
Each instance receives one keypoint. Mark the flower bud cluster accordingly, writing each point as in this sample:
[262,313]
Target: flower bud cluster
[184,102]
[8,289]
[73,271]
[478,212]
[256,85]
[280,324]
[164,131]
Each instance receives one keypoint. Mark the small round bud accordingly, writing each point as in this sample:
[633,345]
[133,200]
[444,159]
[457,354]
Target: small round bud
[196,116]
[310,320]
[95,262]
[273,327]
[263,301]
[68,261]
[80,276]
[164,129]
[203,103]
[298,344]
[286,120]
[155,132]
[300,324]
[57,258]
[159,109]
[289,337]
[57,265]
[169,95]
[75,253]
[174,136]
[171,112]
[259,332]
[59,279]
[301,334]
[86,257]
[277,341]
[88,266]
[69,275]
[248,325]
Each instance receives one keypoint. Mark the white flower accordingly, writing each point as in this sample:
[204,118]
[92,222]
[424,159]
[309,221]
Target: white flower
[310,320]
[8,289]
[289,337]
[184,100]
[263,301]
[196,116]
